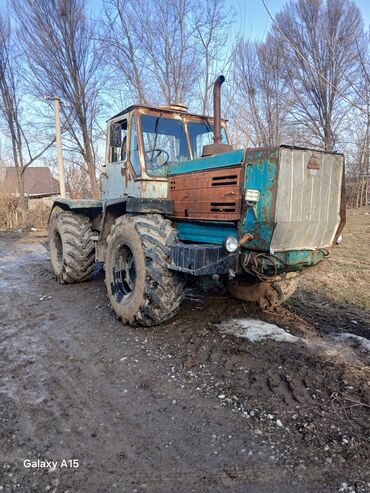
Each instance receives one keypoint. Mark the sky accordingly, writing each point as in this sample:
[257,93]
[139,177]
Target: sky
[255,20]
[252,19]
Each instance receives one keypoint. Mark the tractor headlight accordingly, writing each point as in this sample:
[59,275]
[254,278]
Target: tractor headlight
[231,244]
[252,196]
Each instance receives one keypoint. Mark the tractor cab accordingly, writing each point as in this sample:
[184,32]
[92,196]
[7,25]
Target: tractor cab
[144,142]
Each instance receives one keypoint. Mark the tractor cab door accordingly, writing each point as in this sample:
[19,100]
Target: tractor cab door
[114,177]
[122,159]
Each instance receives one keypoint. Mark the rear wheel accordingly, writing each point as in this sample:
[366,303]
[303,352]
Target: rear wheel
[266,295]
[72,249]
[140,287]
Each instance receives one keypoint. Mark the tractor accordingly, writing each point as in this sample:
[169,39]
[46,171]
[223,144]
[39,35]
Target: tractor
[178,202]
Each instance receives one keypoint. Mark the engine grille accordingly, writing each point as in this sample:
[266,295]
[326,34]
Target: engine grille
[210,194]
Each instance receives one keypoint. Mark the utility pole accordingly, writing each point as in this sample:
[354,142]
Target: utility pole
[58,138]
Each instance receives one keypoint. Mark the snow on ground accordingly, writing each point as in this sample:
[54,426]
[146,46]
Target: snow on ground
[255,330]
[352,338]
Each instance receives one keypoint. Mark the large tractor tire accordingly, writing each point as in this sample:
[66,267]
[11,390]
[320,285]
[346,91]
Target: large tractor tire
[72,249]
[266,295]
[141,289]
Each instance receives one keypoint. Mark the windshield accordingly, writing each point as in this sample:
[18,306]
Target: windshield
[201,134]
[165,143]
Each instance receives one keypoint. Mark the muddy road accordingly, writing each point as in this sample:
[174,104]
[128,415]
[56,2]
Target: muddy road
[177,408]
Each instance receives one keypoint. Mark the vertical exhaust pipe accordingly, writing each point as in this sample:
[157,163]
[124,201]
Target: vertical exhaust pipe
[217,109]
[217,147]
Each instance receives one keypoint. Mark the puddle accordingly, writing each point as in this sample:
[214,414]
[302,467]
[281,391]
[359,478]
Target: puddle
[255,330]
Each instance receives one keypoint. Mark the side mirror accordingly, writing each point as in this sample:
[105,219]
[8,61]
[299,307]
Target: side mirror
[116,135]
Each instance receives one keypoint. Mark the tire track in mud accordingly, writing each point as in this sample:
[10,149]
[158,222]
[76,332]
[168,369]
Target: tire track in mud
[42,415]
[136,399]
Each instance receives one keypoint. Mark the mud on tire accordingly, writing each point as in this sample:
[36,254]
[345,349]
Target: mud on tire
[266,295]
[72,249]
[141,289]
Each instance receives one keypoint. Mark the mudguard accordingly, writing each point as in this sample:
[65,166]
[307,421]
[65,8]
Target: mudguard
[84,206]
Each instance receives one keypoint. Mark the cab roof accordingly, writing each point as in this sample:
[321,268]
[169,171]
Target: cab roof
[162,109]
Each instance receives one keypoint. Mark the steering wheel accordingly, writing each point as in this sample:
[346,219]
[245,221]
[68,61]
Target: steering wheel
[154,156]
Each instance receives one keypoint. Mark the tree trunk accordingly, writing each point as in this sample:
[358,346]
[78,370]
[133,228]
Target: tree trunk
[89,157]
[20,187]
[91,170]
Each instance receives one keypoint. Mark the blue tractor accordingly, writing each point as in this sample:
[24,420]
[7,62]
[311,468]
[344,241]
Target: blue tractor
[179,202]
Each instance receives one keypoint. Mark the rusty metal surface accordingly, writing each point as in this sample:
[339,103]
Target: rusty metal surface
[213,149]
[342,212]
[211,194]
[217,147]
[136,111]
[156,109]
[217,108]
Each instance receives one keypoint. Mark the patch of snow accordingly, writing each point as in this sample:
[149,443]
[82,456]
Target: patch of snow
[347,337]
[255,330]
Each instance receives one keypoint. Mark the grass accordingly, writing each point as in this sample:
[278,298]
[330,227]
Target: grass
[345,275]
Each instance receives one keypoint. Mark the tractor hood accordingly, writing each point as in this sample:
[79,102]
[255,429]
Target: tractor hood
[294,198]
[287,198]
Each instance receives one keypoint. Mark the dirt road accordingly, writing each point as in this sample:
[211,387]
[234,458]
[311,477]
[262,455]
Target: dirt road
[177,408]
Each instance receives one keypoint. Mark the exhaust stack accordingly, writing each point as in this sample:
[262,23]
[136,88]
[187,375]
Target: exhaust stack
[217,147]
[217,108]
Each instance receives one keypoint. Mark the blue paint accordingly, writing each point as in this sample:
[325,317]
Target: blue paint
[205,232]
[261,174]
[291,260]
[233,158]
[297,257]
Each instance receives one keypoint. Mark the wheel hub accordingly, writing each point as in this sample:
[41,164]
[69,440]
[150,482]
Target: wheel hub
[124,273]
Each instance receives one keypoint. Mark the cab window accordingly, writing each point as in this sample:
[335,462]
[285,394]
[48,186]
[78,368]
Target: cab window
[134,147]
[165,143]
[118,141]
[201,134]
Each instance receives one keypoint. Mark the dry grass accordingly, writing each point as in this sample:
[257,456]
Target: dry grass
[345,275]
[12,216]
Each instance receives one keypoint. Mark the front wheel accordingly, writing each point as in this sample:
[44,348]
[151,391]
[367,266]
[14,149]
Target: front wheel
[140,287]
[266,295]
[72,247]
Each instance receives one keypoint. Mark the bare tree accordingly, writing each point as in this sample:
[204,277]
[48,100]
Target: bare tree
[122,49]
[24,151]
[262,96]
[76,181]
[318,39]
[165,50]
[169,46]
[357,137]
[364,181]
[61,46]
[212,22]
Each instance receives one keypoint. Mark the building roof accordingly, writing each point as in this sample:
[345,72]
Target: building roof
[37,181]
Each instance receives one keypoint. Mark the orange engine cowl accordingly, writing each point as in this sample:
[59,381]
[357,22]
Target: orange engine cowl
[214,194]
